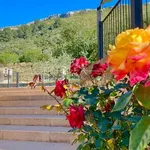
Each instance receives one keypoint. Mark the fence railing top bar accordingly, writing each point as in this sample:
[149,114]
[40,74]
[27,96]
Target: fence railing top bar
[112,10]
[98,8]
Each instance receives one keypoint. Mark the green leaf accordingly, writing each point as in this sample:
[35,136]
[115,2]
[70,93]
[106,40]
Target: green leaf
[142,93]
[87,128]
[67,102]
[104,124]
[80,147]
[121,85]
[116,127]
[125,139]
[107,91]
[86,147]
[122,101]
[95,91]
[90,100]
[140,136]
[115,115]
[81,137]
[97,114]
[83,91]
[99,143]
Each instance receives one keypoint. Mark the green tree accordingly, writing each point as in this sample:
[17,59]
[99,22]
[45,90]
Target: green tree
[6,58]
[6,35]
[33,56]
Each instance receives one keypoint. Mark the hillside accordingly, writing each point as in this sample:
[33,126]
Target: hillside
[53,41]
[75,35]
[49,44]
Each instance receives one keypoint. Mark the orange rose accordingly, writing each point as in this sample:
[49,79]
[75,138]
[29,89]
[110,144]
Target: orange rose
[131,55]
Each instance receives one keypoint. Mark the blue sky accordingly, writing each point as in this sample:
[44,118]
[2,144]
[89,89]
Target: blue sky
[14,12]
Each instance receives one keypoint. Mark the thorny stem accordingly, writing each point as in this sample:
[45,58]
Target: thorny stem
[59,103]
[56,101]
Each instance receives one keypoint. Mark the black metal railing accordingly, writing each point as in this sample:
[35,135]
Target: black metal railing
[146,13]
[125,14]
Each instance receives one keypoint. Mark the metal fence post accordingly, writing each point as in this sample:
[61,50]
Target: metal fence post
[17,79]
[136,14]
[100,33]
[8,85]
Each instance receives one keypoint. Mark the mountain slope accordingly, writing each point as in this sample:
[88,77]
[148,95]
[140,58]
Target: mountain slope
[75,35]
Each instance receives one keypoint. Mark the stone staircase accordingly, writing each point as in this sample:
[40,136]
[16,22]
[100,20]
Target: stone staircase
[23,125]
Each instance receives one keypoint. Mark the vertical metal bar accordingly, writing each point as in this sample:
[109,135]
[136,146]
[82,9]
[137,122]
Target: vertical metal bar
[146,14]
[111,29]
[126,13]
[106,33]
[121,7]
[101,40]
[113,35]
[99,33]
[17,79]
[8,85]
[136,14]
[129,12]
[116,22]
[118,18]
[124,6]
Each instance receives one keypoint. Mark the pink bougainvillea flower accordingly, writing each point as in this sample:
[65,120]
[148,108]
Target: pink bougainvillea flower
[98,69]
[131,55]
[76,117]
[78,64]
[59,88]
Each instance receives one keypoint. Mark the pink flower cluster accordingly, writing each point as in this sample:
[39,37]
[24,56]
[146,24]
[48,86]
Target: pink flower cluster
[78,64]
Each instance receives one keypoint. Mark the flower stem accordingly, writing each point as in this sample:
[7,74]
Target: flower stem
[50,93]
[59,103]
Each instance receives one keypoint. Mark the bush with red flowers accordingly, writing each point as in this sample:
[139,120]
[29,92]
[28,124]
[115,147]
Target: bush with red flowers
[59,89]
[76,116]
[98,69]
[115,114]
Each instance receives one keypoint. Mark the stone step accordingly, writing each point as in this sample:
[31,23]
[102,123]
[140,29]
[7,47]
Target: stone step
[36,133]
[26,103]
[27,145]
[26,111]
[26,97]
[21,94]
[38,88]
[34,120]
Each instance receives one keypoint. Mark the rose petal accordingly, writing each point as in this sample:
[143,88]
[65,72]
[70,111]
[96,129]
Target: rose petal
[147,83]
